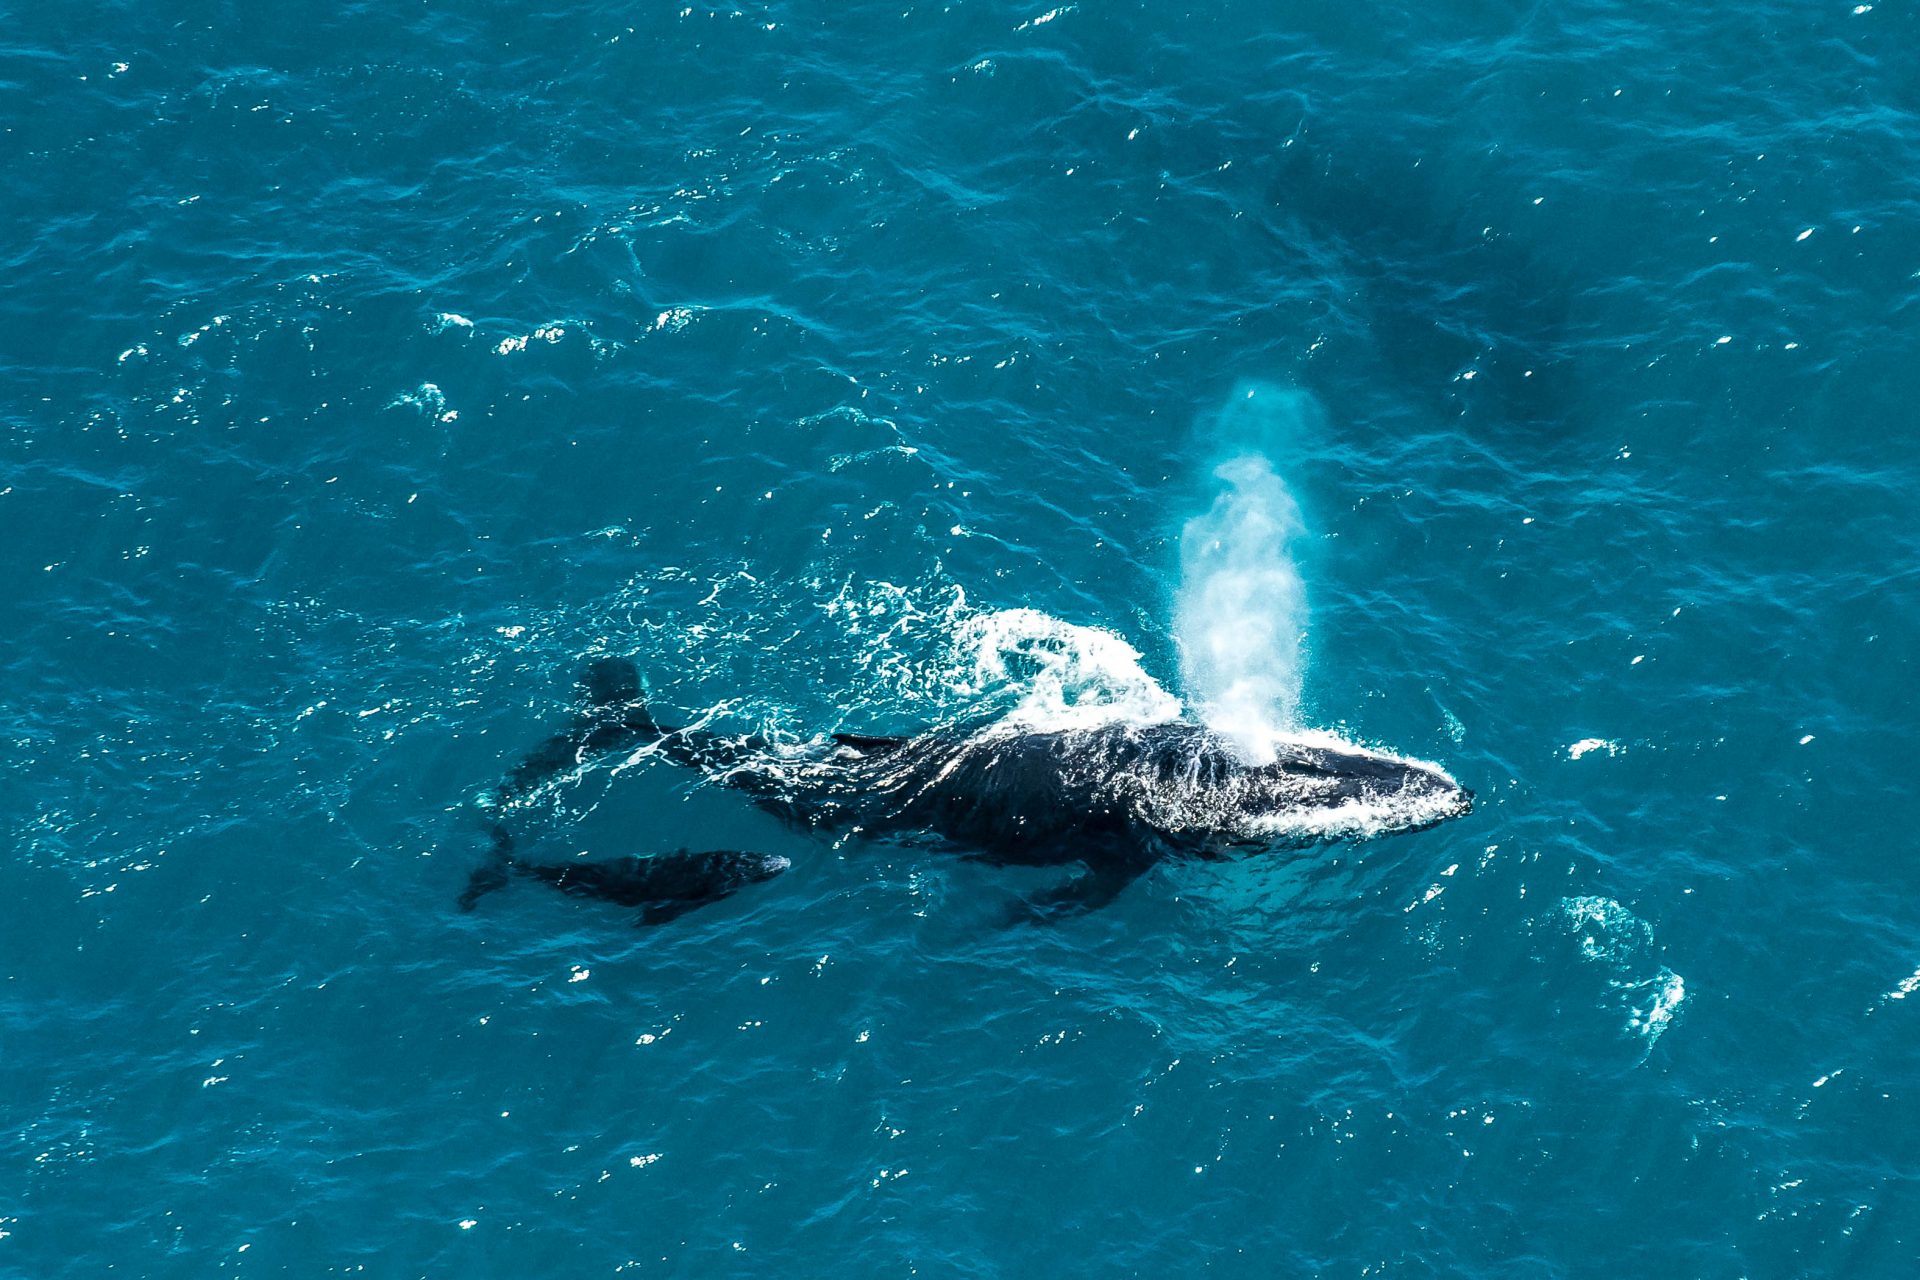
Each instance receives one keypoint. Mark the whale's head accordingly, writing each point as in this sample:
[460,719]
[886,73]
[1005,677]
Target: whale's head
[1374,791]
[1318,787]
[752,868]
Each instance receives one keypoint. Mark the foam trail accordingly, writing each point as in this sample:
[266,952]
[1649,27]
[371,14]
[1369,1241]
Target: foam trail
[1241,612]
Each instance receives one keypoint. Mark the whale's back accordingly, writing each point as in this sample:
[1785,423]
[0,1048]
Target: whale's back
[1037,794]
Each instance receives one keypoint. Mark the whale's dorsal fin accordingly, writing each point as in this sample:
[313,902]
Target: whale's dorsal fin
[868,744]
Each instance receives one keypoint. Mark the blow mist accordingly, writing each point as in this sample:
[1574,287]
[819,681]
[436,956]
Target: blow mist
[1240,615]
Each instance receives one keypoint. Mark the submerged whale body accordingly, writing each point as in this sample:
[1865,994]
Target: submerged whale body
[663,887]
[1115,798]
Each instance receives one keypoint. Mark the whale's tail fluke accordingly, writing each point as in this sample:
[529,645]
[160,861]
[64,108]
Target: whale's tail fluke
[612,716]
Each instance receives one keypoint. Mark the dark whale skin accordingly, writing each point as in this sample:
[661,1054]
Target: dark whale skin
[1114,799]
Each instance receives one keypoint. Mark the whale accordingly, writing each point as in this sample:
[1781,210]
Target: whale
[663,886]
[1112,800]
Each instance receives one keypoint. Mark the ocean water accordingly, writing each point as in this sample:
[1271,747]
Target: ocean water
[1525,388]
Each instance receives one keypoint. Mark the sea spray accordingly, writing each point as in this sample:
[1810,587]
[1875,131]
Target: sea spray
[1241,612]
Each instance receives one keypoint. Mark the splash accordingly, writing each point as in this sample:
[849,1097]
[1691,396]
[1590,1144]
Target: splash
[929,657]
[1241,612]
[1052,674]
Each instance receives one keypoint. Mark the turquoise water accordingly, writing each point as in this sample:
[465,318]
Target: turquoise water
[863,369]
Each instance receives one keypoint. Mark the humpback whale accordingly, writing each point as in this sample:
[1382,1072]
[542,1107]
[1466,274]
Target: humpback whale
[664,886]
[1114,799]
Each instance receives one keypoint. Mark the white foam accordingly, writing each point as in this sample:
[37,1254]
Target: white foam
[1608,929]
[1058,675]
[1667,989]
[1613,936]
[674,319]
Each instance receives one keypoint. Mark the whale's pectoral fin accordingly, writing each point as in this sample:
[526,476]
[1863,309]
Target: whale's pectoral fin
[1089,891]
[481,883]
[492,874]
[868,744]
[662,912]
